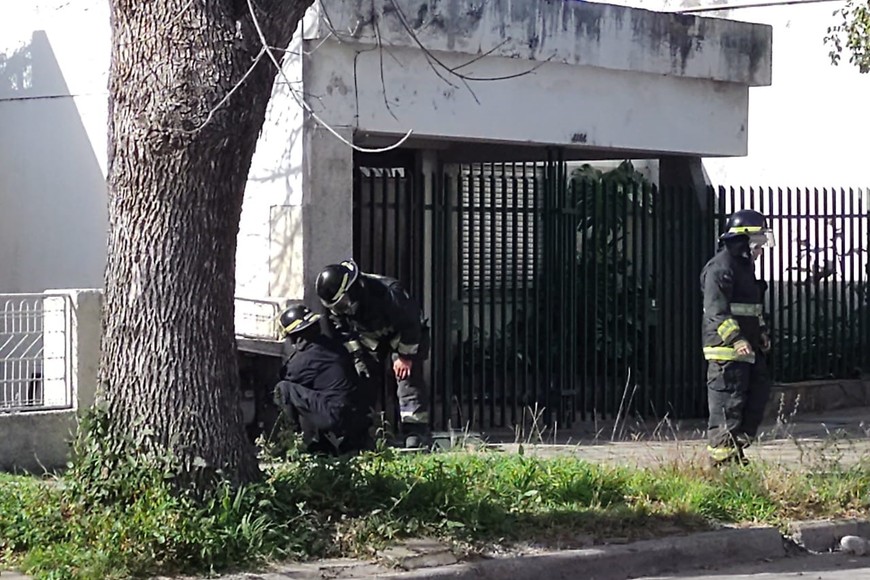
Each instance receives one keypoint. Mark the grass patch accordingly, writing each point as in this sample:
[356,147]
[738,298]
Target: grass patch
[308,507]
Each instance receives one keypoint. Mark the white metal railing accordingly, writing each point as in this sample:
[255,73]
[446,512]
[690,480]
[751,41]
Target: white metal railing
[35,352]
[258,317]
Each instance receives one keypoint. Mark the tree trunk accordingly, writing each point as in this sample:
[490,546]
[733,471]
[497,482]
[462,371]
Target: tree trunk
[176,179]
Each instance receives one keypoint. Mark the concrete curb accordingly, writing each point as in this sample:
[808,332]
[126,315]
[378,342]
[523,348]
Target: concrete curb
[650,557]
[824,535]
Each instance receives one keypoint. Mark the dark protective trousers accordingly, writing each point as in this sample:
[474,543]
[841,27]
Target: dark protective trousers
[413,395]
[326,426]
[737,393]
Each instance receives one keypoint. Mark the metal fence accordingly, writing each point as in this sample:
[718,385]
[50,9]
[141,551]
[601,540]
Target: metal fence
[580,297]
[818,276]
[35,352]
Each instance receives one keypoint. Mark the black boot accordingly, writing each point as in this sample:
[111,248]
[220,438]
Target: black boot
[416,435]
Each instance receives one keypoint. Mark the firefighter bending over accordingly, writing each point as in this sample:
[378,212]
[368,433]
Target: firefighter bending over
[319,389]
[736,339]
[376,318]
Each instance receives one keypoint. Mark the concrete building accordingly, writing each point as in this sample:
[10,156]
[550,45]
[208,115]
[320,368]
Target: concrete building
[599,81]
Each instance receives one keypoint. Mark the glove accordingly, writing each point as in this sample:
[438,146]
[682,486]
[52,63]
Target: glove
[362,369]
[742,347]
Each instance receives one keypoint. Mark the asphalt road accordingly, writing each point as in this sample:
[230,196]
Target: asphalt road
[820,567]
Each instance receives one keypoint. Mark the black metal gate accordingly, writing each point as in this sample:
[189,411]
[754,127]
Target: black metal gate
[563,295]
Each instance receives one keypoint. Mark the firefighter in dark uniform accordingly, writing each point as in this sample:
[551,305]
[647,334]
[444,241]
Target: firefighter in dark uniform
[319,389]
[377,318]
[736,339]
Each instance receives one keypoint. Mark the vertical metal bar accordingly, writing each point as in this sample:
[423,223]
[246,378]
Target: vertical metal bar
[777,308]
[850,281]
[801,305]
[357,216]
[465,413]
[545,277]
[833,304]
[486,278]
[787,346]
[505,243]
[494,239]
[848,363]
[820,329]
[656,345]
[810,322]
[616,339]
[826,354]
[554,368]
[441,336]
[372,229]
[841,259]
[636,307]
[572,315]
[681,299]
[394,220]
[568,261]
[571,242]
[864,242]
[604,288]
[592,288]
[625,340]
[665,293]
[646,250]
[436,265]
[686,288]
[515,274]
[537,242]
[385,195]
[530,312]
[588,384]
[473,333]
[684,301]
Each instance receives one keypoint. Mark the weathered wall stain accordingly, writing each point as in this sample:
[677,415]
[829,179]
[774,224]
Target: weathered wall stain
[573,33]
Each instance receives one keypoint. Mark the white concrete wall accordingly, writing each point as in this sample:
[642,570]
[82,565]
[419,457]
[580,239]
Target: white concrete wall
[556,104]
[53,64]
[38,440]
[810,127]
[269,254]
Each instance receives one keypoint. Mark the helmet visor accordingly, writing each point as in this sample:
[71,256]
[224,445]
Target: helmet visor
[763,239]
[345,305]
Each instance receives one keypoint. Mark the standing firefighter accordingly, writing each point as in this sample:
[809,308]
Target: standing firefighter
[319,389]
[376,318]
[736,340]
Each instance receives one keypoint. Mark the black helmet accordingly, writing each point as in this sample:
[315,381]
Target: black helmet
[751,224]
[335,281]
[296,319]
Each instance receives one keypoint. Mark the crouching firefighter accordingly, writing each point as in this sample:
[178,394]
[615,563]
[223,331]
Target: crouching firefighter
[736,339]
[319,389]
[377,318]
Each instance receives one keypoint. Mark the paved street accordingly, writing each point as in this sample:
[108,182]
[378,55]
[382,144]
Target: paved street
[821,567]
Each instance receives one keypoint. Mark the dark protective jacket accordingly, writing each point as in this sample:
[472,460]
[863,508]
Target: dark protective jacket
[327,389]
[732,304]
[387,315]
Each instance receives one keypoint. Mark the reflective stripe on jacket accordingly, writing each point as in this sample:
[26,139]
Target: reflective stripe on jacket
[733,308]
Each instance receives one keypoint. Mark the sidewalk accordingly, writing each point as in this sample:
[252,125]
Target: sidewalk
[842,436]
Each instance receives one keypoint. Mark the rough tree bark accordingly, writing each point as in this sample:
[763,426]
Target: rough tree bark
[168,375]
